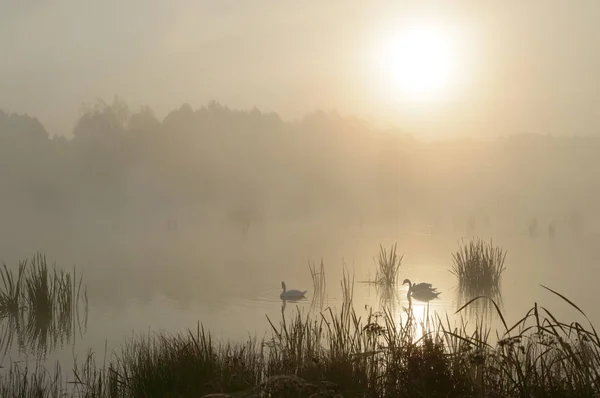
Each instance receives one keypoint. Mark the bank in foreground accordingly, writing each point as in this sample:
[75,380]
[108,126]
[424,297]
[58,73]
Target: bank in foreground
[340,354]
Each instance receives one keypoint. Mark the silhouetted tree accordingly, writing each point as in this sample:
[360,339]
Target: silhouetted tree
[122,166]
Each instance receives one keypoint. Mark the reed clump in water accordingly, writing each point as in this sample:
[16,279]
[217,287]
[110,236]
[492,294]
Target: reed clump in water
[378,356]
[39,305]
[478,266]
[10,294]
[388,265]
[38,289]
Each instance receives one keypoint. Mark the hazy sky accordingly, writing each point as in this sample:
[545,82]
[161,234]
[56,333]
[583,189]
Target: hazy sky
[520,66]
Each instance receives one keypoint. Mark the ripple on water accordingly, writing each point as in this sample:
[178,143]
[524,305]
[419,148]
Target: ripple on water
[264,300]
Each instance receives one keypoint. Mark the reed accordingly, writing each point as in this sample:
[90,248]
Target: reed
[40,288]
[190,364]
[374,355]
[380,357]
[39,305]
[22,382]
[478,266]
[318,278]
[10,295]
[347,285]
[388,265]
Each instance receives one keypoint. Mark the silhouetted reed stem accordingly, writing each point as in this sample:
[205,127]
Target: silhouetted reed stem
[478,266]
[388,265]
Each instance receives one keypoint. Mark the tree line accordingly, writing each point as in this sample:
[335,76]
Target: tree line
[122,165]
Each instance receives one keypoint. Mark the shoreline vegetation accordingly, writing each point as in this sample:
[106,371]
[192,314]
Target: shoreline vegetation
[341,354]
[329,353]
[335,354]
[41,307]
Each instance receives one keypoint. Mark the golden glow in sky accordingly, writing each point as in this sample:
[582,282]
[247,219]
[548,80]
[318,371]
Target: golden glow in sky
[418,63]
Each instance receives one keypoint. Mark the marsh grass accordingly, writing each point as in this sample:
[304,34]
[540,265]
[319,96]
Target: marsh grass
[10,294]
[347,284]
[380,357]
[318,278]
[40,306]
[388,296]
[22,382]
[388,265]
[378,354]
[479,267]
[542,356]
[319,284]
[190,364]
[19,380]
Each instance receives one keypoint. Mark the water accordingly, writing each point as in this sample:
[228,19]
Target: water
[171,282]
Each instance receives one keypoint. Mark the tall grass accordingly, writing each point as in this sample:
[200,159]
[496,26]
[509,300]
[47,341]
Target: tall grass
[318,278]
[478,266]
[10,294]
[388,296]
[87,380]
[190,364]
[378,355]
[319,284]
[40,306]
[388,265]
[22,382]
[347,285]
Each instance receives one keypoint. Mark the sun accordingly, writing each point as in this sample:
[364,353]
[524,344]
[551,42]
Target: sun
[418,63]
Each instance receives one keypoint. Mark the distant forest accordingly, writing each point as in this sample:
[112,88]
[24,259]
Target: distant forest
[247,167]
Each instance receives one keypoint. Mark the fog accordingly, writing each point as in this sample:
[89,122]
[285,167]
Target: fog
[186,157]
[526,68]
[212,191]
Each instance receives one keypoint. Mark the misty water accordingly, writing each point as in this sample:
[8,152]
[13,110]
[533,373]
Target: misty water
[164,277]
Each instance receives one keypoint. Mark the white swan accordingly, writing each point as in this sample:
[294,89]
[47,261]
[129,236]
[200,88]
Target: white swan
[291,294]
[418,286]
[424,295]
[423,291]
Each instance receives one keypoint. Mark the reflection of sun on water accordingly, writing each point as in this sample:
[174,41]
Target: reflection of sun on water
[422,317]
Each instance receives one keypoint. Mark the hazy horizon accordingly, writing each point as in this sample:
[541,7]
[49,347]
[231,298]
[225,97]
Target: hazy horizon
[517,68]
[178,161]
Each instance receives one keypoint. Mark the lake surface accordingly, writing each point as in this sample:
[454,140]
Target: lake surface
[168,281]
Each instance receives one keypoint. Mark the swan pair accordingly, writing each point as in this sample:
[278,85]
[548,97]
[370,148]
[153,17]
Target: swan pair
[291,294]
[421,291]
